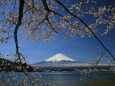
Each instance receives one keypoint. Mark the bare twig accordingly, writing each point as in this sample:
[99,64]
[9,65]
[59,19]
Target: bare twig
[100,57]
[29,78]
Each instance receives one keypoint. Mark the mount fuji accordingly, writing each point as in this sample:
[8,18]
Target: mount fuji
[59,60]
[59,57]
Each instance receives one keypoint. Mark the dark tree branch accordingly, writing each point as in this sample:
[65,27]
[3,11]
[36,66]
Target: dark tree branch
[49,10]
[32,3]
[45,5]
[20,15]
[47,14]
[42,21]
[87,27]
[66,20]
[51,26]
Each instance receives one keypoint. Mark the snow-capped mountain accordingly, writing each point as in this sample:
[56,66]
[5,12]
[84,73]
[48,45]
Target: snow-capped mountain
[59,57]
[59,60]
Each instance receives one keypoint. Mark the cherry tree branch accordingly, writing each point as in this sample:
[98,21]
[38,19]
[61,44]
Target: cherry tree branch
[87,27]
[47,14]
[66,20]
[20,15]
[100,57]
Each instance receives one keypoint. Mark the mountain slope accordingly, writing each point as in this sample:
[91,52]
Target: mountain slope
[59,60]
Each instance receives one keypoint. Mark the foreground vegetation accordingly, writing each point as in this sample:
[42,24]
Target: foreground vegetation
[109,81]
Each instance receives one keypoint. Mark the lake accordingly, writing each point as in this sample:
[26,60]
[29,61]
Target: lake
[49,78]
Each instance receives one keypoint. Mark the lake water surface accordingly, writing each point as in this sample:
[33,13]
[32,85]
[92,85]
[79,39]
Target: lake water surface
[51,78]
[71,78]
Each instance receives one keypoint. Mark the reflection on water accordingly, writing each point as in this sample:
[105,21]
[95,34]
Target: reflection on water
[49,78]
[62,78]
[69,78]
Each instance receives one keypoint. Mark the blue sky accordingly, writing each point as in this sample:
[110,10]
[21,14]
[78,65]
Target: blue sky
[81,49]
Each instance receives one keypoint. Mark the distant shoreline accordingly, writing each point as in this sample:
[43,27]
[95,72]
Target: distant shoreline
[76,69]
[8,66]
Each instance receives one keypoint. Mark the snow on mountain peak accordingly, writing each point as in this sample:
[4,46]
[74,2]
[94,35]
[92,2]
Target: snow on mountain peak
[59,57]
